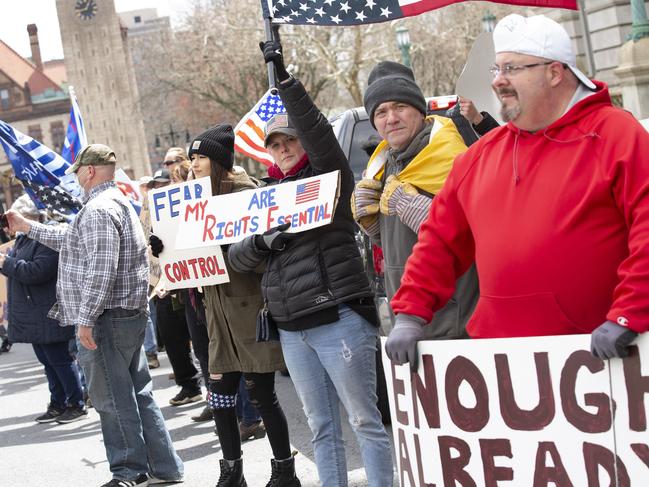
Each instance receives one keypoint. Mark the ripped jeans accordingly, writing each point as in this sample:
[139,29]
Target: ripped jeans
[333,364]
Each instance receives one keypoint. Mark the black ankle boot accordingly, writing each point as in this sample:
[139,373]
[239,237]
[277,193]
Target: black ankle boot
[283,474]
[231,473]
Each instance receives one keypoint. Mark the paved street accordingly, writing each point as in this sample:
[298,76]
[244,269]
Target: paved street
[53,455]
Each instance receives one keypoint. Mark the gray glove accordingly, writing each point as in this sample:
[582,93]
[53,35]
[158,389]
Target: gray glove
[401,345]
[274,238]
[611,340]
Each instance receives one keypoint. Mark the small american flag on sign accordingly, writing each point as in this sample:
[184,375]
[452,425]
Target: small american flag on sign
[307,192]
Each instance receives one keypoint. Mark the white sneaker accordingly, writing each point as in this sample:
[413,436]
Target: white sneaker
[142,480]
[156,481]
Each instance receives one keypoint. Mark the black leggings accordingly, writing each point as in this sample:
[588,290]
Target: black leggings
[175,335]
[198,333]
[261,389]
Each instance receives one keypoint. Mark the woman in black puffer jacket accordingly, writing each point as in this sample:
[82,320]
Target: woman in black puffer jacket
[316,292]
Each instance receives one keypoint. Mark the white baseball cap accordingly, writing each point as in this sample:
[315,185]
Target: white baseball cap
[538,36]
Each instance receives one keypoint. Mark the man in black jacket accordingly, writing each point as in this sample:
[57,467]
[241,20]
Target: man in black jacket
[317,293]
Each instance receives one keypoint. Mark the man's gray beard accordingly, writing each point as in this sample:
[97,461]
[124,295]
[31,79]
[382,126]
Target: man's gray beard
[509,114]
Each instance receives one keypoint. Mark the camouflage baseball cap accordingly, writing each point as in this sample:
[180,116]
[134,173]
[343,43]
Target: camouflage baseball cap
[93,155]
[279,124]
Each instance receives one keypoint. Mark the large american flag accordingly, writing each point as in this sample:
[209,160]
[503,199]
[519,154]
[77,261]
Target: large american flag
[249,132]
[353,12]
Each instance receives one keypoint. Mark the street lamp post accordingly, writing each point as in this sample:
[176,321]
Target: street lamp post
[488,21]
[403,41]
[640,24]
[172,136]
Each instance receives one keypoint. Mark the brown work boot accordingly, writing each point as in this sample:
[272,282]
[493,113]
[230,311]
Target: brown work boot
[204,415]
[255,431]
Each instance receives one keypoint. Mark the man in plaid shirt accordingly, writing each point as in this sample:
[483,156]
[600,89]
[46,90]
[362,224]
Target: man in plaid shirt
[102,290]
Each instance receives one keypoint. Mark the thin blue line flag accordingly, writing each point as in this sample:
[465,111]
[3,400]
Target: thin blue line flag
[41,171]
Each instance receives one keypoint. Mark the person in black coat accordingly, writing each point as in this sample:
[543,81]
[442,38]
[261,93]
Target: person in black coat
[316,291]
[31,270]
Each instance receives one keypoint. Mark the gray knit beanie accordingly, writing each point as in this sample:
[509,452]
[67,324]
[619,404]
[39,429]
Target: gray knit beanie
[390,81]
[216,143]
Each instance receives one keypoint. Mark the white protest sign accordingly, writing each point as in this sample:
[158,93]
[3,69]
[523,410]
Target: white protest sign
[225,219]
[520,411]
[630,387]
[188,267]
[475,80]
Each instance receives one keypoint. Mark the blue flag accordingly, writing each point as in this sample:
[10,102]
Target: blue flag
[41,171]
[75,137]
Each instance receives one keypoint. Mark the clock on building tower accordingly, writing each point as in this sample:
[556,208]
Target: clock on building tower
[86,9]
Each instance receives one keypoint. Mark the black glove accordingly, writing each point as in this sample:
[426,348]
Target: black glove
[610,340]
[156,245]
[274,238]
[273,54]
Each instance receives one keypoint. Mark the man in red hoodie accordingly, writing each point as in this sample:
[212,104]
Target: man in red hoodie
[553,208]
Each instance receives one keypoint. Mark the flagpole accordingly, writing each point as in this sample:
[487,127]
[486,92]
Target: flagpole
[268,27]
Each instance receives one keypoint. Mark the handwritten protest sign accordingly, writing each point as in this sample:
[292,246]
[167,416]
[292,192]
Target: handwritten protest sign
[188,267]
[520,411]
[225,219]
[630,390]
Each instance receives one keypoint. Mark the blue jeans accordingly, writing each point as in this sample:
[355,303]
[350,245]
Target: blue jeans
[246,412]
[74,352]
[150,342]
[61,372]
[336,363]
[135,436]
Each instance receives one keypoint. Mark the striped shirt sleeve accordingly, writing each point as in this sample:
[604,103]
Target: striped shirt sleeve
[413,210]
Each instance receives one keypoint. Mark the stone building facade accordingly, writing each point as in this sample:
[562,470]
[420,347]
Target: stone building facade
[609,24]
[146,31]
[34,100]
[99,66]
